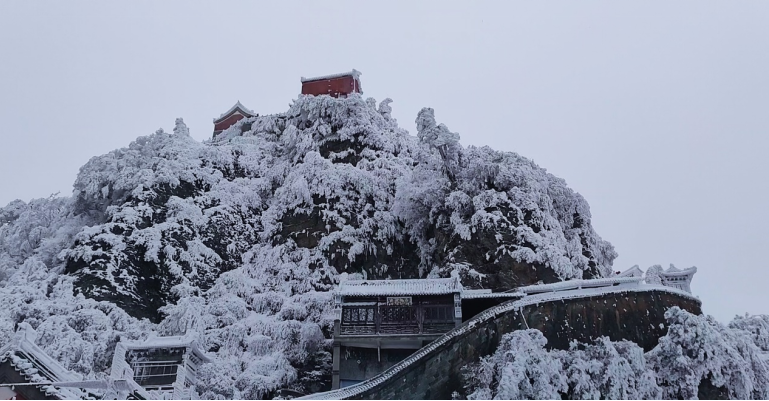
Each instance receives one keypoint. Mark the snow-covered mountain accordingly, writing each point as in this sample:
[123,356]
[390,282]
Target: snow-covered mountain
[240,238]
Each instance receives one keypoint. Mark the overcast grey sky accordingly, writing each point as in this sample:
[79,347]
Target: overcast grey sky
[656,112]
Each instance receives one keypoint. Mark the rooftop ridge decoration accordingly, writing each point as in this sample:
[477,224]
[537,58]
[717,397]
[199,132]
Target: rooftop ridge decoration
[237,106]
[674,271]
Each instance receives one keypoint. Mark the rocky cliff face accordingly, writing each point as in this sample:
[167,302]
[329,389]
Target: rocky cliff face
[240,238]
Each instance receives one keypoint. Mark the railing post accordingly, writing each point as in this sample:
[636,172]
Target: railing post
[420,318]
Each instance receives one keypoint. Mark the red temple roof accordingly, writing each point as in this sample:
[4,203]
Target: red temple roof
[237,107]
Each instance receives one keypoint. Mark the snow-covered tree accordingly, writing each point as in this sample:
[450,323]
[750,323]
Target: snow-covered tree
[698,348]
[756,326]
[386,110]
[610,370]
[520,369]
[652,275]
[180,128]
[438,137]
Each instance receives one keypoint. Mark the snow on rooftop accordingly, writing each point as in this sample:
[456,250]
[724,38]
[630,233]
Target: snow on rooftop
[237,106]
[577,284]
[186,341]
[634,271]
[354,73]
[161,342]
[36,366]
[674,271]
[472,294]
[427,286]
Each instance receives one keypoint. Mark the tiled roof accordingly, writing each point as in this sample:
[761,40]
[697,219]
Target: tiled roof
[634,271]
[237,106]
[479,294]
[428,286]
[36,366]
[673,271]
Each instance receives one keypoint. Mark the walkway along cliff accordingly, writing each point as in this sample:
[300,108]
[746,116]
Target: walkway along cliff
[619,308]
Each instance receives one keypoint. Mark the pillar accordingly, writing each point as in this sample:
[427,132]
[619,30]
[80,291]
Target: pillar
[336,357]
[457,309]
[335,367]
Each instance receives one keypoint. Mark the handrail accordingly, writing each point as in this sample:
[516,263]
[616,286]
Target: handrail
[386,319]
[577,284]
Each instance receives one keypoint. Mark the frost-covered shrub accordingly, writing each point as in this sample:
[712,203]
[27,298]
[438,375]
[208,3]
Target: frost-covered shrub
[40,228]
[500,200]
[697,348]
[610,370]
[756,326]
[80,333]
[652,275]
[520,369]
[698,357]
[438,137]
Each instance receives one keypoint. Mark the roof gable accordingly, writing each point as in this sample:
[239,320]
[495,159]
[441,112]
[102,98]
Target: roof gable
[634,271]
[237,107]
[673,271]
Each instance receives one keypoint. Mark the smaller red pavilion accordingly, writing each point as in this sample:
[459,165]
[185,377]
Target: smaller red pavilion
[335,85]
[231,116]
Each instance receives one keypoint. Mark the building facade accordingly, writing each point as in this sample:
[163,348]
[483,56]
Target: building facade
[164,366]
[335,85]
[380,322]
[676,278]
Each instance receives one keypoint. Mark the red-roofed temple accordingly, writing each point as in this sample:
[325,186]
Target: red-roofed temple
[334,85]
[231,116]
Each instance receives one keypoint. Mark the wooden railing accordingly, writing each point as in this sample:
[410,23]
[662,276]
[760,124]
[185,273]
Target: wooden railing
[391,319]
